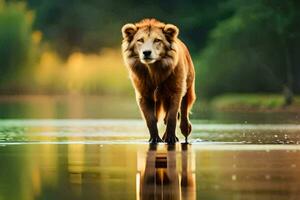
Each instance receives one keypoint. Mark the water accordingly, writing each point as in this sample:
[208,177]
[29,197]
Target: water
[74,148]
[111,159]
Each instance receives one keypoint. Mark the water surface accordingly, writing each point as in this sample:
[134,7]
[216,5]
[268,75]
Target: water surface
[111,159]
[95,147]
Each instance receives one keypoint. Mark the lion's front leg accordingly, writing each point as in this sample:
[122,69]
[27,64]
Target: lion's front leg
[147,107]
[173,107]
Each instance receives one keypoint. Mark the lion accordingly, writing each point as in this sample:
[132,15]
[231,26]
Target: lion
[162,74]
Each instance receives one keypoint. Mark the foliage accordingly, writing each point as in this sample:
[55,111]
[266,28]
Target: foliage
[88,26]
[238,46]
[252,102]
[101,73]
[254,50]
[16,45]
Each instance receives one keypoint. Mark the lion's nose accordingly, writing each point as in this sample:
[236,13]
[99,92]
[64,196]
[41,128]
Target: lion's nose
[147,53]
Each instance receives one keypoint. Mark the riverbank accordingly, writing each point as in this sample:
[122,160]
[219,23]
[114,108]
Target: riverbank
[254,103]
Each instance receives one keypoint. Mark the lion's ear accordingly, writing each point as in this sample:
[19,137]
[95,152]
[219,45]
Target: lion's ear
[171,31]
[128,30]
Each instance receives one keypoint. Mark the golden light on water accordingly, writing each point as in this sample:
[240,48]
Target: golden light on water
[36,181]
[76,158]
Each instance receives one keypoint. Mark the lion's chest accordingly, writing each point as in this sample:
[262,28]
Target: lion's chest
[148,88]
[157,85]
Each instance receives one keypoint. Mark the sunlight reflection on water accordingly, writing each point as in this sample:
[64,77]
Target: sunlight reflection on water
[89,159]
[127,131]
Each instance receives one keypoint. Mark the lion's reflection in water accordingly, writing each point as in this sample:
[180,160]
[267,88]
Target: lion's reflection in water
[166,172]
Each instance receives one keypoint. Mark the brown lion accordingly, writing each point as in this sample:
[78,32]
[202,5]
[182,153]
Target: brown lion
[162,73]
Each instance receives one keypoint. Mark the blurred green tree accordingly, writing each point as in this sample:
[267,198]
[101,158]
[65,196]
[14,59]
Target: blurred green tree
[16,47]
[239,46]
[254,50]
[72,25]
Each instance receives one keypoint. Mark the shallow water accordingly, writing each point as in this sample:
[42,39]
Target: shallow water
[111,159]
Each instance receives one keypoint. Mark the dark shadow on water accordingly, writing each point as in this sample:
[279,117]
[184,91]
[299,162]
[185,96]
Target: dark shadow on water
[168,173]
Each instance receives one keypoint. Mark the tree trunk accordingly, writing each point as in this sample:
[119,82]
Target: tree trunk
[288,96]
[288,88]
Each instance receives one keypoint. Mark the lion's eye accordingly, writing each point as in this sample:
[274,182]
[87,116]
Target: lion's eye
[140,40]
[156,40]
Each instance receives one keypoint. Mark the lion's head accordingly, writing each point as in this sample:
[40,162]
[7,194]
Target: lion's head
[149,41]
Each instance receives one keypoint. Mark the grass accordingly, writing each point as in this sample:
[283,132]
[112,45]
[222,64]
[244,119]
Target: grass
[254,102]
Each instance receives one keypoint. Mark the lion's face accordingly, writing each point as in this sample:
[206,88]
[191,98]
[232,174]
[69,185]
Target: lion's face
[149,42]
